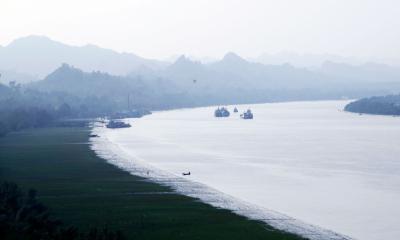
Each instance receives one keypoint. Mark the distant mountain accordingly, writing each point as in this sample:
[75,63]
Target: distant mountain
[232,63]
[75,81]
[204,60]
[363,73]
[184,71]
[234,71]
[8,76]
[38,56]
[109,89]
[253,75]
[236,80]
[184,64]
[310,61]
[233,79]
[105,73]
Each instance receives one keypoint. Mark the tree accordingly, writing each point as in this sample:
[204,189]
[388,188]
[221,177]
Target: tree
[22,216]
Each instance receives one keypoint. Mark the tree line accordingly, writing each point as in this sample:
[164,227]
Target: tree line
[383,105]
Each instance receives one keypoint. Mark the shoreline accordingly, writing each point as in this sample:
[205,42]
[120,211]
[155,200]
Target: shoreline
[83,190]
[114,155]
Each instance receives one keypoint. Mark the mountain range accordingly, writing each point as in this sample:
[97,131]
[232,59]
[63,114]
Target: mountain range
[38,56]
[93,71]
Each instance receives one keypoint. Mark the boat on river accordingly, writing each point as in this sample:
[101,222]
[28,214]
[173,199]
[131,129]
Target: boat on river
[221,112]
[117,124]
[247,115]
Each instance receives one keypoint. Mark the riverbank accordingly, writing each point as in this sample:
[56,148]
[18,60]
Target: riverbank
[83,190]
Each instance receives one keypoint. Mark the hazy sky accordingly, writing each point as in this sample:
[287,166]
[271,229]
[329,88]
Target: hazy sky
[162,28]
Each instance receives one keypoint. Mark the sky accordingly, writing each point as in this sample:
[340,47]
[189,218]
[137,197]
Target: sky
[163,28]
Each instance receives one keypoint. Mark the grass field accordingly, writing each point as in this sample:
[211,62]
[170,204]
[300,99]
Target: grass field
[84,191]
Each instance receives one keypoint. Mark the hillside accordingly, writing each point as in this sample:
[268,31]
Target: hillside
[383,105]
[98,89]
[234,79]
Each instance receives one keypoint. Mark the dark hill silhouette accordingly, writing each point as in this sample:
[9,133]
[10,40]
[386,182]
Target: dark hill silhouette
[383,105]
[110,89]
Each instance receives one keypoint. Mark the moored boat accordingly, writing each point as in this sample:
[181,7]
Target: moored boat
[221,112]
[247,115]
[117,124]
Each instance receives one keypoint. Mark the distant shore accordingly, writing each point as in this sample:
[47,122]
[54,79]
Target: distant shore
[379,105]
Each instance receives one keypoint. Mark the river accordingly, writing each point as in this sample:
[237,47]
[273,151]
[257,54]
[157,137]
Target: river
[308,160]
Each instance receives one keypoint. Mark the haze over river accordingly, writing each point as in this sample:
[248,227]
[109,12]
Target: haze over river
[309,160]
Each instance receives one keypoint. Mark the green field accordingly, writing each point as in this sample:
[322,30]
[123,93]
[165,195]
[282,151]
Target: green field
[84,191]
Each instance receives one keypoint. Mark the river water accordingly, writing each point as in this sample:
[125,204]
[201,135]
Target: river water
[308,160]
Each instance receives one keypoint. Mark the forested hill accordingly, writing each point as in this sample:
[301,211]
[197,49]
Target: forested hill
[98,90]
[71,93]
[384,105]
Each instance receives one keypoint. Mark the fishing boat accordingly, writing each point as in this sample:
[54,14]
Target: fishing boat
[221,112]
[247,115]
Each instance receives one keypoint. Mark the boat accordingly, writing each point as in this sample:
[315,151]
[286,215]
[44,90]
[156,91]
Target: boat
[247,115]
[117,124]
[235,110]
[221,112]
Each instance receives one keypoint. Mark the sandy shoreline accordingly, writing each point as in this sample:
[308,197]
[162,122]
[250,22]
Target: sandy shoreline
[110,151]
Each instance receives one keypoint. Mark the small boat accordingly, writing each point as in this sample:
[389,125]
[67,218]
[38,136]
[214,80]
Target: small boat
[247,115]
[235,110]
[117,124]
[221,112]
[186,174]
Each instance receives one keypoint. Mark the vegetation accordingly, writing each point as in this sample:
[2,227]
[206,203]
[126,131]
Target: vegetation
[85,192]
[107,93]
[21,118]
[384,105]
[22,216]
[71,93]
